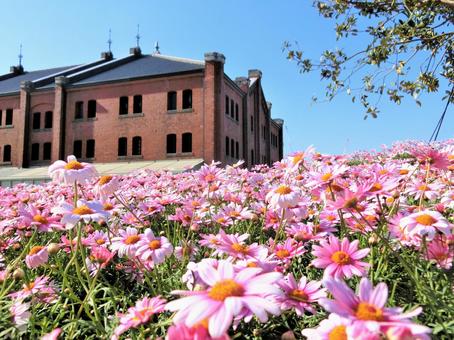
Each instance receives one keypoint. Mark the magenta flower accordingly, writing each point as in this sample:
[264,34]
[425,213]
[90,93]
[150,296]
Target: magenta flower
[198,332]
[153,248]
[368,308]
[37,256]
[247,292]
[71,171]
[300,295]
[340,259]
[42,219]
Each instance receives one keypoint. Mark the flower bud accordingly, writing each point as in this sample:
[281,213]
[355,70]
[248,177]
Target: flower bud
[53,248]
[373,239]
[18,274]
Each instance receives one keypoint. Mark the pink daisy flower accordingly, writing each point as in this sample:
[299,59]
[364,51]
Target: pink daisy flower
[153,248]
[439,251]
[37,256]
[20,314]
[368,308]
[283,197]
[332,328]
[85,210]
[42,219]
[287,251]
[300,295]
[425,223]
[126,243]
[229,294]
[52,335]
[234,246]
[71,171]
[106,185]
[98,259]
[197,332]
[340,259]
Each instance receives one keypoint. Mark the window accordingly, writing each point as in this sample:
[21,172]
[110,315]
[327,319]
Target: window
[90,150]
[122,146]
[232,107]
[1,117]
[252,157]
[187,99]
[237,116]
[232,148]
[91,112]
[36,120]
[186,142]
[47,149]
[9,117]
[252,124]
[137,146]
[227,101]
[172,143]
[48,120]
[237,150]
[7,153]
[137,104]
[77,148]
[171,101]
[227,146]
[35,152]
[79,111]
[123,106]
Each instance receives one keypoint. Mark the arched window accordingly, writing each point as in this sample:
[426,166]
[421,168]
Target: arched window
[7,153]
[137,105]
[171,143]
[35,152]
[90,150]
[227,146]
[91,112]
[122,146]
[171,101]
[252,157]
[186,142]
[79,110]
[77,148]
[137,146]
[47,149]
[36,120]
[232,148]
[48,120]
[187,99]
[123,110]
[237,150]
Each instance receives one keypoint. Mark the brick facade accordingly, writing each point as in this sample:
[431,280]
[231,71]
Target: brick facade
[87,109]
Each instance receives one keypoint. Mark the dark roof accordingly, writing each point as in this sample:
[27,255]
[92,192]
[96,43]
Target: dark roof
[12,85]
[145,66]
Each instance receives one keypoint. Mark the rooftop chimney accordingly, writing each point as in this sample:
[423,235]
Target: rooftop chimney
[279,121]
[107,55]
[254,74]
[135,51]
[215,57]
[16,70]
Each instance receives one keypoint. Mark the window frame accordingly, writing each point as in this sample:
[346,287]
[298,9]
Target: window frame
[137,145]
[186,144]
[168,136]
[137,104]
[123,106]
[34,155]
[47,154]
[121,147]
[187,99]
[36,120]
[89,149]
[79,110]
[172,98]
[48,114]
[77,142]
[9,114]
[91,111]
[6,153]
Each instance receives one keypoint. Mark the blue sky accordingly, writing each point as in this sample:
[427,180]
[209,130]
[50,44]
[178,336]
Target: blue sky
[249,33]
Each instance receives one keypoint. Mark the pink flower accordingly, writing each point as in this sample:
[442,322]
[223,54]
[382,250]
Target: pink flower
[287,251]
[234,246]
[283,196]
[139,314]
[37,256]
[42,219]
[154,248]
[106,185]
[85,210]
[368,308]
[197,332]
[126,243]
[71,171]
[229,294]
[439,251]
[98,259]
[340,259]
[425,223]
[300,295]
[52,335]
[20,314]
[42,288]
[332,328]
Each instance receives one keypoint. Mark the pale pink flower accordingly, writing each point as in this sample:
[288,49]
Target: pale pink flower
[340,259]
[332,328]
[106,186]
[198,332]
[42,219]
[300,295]
[425,223]
[153,248]
[99,258]
[439,251]
[229,294]
[84,210]
[52,335]
[71,171]
[283,197]
[126,243]
[234,246]
[37,256]
[20,314]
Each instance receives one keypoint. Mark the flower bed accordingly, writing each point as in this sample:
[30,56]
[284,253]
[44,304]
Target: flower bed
[218,253]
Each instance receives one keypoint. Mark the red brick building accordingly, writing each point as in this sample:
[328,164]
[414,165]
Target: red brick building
[148,107]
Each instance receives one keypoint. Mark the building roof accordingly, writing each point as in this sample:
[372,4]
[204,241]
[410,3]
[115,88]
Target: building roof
[10,176]
[145,66]
[12,85]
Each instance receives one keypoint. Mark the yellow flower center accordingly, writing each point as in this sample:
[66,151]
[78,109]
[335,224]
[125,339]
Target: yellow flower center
[104,180]
[131,239]
[366,311]
[155,244]
[340,257]
[376,187]
[425,219]
[240,248]
[422,187]
[209,178]
[338,333]
[221,220]
[282,253]
[327,176]
[83,210]
[404,171]
[74,165]
[40,219]
[35,250]
[351,203]
[283,190]
[299,295]
[30,286]
[100,241]
[224,289]
[107,206]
